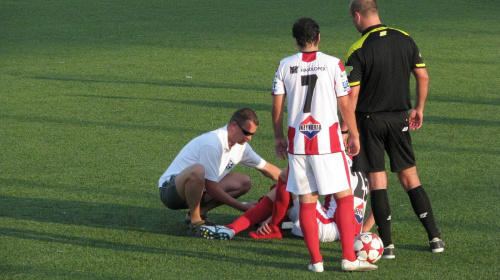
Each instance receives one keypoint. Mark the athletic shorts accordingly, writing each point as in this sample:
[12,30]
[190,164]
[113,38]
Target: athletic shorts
[327,228]
[384,132]
[325,174]
[171,198]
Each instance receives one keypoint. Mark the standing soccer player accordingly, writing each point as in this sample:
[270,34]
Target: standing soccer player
[378,67]
[315,84]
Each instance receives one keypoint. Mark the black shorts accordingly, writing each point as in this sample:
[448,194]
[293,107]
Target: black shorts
[384,131]
[171,198]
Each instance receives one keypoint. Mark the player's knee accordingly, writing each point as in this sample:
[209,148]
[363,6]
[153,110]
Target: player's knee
[246,184]
[409,178]
[197,174]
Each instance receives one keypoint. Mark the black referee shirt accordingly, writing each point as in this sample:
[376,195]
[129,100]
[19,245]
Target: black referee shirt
[381,63]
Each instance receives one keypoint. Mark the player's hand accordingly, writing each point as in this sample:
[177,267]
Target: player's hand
[264,228]
[416,119]
[353,146]
[345,137]
[248,205]
[280,147]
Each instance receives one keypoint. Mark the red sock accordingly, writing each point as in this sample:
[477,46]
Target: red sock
[345,223]
[255,215]
[275,234]
[281,202]
[280,206]
[309,227]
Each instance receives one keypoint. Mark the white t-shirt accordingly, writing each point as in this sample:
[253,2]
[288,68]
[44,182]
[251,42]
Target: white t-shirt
[312,82]
[212,151]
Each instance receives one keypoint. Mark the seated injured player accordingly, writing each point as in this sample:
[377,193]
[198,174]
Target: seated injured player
[279,203]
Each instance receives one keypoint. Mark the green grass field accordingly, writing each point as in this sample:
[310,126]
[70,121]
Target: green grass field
[97,97]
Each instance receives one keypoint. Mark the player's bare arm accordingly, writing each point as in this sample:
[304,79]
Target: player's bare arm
[280,144]
[271,171]
[219,194]
[422,89]
[345,131]
[349,119]
[353,97]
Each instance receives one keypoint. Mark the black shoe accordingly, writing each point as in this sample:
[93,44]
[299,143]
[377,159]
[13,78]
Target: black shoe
[389,252]
[437,245]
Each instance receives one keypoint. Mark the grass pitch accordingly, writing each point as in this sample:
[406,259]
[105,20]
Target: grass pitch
[97,97]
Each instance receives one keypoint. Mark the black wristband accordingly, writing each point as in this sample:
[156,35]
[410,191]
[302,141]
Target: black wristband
[344,131]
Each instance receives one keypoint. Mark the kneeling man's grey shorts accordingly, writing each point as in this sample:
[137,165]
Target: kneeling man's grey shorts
[171,198]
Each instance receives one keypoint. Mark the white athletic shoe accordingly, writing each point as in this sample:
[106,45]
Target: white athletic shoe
[316,267]
[358,265]
[217,232]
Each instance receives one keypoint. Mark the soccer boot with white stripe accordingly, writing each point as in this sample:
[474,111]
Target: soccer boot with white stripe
[217,232]
[389,252]
[437,245]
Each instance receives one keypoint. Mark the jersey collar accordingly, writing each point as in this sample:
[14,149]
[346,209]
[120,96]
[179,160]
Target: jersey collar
[371,28]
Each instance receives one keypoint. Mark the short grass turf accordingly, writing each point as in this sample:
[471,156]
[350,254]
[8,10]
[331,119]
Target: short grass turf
[97,97]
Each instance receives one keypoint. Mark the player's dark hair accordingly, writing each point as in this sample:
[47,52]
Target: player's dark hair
[364,7]
[244,114]
[306,31]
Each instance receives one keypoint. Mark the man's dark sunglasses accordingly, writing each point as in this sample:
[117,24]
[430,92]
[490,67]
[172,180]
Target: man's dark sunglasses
[247,133]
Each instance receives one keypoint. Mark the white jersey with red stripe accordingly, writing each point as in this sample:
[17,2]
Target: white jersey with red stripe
[312,82]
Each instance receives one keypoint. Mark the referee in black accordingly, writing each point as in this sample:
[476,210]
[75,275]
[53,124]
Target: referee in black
[378,67]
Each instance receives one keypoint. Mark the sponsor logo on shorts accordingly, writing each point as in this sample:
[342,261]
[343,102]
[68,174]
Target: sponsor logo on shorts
[359,213]
[405,128]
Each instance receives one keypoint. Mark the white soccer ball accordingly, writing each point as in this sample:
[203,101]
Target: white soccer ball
[368,246]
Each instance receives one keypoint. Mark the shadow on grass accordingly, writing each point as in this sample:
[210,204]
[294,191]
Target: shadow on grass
[158,220]
[95,214]
[37,272]
[164,222]
[92,214]
[52,120]
[169,253]
[204,103]
[78,241]
[188,83]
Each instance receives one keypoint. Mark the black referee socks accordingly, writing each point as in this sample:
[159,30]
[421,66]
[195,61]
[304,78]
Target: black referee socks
[422,206]
[382,214]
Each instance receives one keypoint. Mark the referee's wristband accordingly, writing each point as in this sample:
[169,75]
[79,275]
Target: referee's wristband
[344,131]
